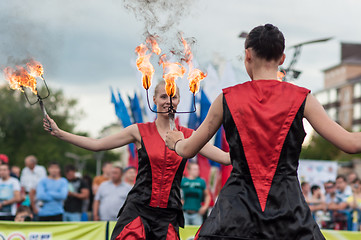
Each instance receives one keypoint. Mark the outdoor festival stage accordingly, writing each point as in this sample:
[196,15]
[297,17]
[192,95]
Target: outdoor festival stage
[102,230]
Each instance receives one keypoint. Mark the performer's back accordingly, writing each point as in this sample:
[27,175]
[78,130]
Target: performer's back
[262,198]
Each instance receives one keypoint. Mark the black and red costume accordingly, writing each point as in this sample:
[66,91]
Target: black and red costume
[262,198]
[153,209]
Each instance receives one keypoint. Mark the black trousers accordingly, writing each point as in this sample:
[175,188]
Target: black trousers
[58,217]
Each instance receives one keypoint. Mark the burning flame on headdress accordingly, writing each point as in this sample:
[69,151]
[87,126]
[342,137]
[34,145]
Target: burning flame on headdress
[195,75]
[20,77]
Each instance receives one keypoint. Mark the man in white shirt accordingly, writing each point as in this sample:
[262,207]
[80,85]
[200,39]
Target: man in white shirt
[110,197]
[29,178]
[9,193]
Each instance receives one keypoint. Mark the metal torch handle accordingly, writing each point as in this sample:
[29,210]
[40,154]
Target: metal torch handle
[171,121]
[45,113]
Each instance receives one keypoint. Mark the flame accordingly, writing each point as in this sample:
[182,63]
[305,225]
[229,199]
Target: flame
[171,71]
[153,42]
[195,75]
[280,75]
[144,65]
[35,68]
[19,79]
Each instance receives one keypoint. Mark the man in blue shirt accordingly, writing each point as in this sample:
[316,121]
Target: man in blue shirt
[52,191]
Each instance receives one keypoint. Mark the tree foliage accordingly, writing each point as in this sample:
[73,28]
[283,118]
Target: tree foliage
[321,149]
[22,133]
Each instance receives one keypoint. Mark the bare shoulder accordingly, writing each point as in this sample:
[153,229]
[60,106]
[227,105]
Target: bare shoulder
[134,131]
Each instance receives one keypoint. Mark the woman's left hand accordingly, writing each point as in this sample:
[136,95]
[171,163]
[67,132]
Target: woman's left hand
[172,137]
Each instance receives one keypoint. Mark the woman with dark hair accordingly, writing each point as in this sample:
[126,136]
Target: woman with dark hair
[263,121]
[153,208]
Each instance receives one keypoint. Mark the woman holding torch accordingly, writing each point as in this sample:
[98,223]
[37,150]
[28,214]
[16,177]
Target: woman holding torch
[153,208]
[263,121]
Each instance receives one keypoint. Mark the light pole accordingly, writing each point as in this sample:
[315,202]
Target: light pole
[80,161]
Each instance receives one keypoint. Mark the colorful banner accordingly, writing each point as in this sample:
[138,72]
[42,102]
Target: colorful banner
[317,172]
[99,231]
[52,230]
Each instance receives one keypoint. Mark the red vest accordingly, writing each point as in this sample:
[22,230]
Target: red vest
[263,111]
[164,162]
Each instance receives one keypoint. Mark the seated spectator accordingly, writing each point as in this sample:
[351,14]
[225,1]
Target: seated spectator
[341,214]
[306,191]
[52,191]
[317,204]
[354,202]
[317,200]
[332,200]
[343,189]
[351,177]
[9,193]
[129,175]
[77,192]
[23,214]
[110,197]
[331,196]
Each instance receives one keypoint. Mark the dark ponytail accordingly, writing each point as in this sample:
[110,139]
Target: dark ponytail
[267,41]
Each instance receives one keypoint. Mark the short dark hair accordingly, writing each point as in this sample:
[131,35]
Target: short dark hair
[69,167]
[106,163]
[304,183]
[23,208]
[128,168]
[341,176]
[330,182]
[314,188]
[267,41]
[357,180]
[53,163]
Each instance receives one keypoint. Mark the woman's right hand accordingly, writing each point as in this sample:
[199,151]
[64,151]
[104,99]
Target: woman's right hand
[50,126]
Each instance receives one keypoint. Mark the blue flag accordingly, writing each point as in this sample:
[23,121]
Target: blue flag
[136,110]
[122,113]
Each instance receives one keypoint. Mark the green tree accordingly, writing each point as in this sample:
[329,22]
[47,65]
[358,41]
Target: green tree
[321,149]
[22,133]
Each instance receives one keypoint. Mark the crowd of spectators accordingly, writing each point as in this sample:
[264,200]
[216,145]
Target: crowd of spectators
[337,204]
[38,194]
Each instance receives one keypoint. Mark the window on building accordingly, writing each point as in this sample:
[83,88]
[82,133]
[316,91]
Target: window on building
[357,90]
[357,111]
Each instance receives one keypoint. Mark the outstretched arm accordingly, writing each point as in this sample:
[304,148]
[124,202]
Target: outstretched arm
[315,114]
[215,154]
[189,147]
[124,137]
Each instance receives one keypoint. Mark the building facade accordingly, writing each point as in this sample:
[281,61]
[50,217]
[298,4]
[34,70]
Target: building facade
[341,96]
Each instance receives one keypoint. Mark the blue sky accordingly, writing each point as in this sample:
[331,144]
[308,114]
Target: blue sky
[87,46]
